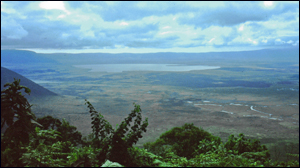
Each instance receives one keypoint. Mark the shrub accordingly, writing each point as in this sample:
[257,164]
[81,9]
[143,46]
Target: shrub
[183,141]
[248,148]
[114,143]
[42,152]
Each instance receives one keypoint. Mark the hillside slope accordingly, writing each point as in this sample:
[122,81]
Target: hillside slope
[7,76]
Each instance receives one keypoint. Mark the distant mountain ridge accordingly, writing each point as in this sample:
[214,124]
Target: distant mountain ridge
[284,55]
[14,57]
[23,57]
[7,76]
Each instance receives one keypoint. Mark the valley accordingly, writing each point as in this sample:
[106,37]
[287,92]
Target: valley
[259,99]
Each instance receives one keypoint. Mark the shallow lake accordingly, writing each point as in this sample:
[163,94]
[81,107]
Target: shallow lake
[143,67]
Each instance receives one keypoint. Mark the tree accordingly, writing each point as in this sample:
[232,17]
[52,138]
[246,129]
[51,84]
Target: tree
[68,132]
[183,141]
[17,116]
[48,122]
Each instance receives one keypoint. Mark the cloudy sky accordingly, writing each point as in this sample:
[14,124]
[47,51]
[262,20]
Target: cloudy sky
[118,27]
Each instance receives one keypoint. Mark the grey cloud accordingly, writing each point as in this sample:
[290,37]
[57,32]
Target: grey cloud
[57,34]
[234,13]
[48,34]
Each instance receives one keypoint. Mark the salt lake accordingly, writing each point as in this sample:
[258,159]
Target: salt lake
[143,67]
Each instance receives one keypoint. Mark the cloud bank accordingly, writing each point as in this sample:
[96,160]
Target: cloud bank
[148,26]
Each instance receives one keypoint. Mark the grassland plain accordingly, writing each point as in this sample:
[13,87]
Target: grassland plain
[259,100]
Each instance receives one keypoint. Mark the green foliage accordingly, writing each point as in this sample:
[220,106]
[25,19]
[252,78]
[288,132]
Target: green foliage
[48,122]
[210,151]
[102,131]
[41,151]
[217,155]
[84,156]
[87,140]
[183,141]
[114,144]
[121,141]
[16,114]
[143,158]
[289,163]
[101,127]
[248,148]
[48,137]
[13,103]
[68,132]
[10,156]
[293,155]
[236,152]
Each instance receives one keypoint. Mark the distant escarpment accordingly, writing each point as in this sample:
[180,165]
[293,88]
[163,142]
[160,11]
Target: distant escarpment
[7,76]
[23,57]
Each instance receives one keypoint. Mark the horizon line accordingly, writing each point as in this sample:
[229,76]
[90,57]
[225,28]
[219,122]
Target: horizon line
[115,51]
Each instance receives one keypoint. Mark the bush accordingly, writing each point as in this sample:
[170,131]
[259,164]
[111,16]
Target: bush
[217,155]
[248,148]
[143,158]
[84,156]
[183,141]
[42,152]
[114,144]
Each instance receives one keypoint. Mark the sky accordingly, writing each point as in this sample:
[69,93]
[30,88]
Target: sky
[143,27]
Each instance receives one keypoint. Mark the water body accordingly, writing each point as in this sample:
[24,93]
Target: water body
[143,67]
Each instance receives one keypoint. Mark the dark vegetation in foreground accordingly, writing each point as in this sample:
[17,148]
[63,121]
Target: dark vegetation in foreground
[48,142]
